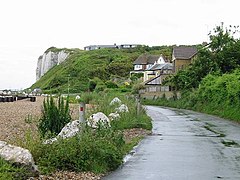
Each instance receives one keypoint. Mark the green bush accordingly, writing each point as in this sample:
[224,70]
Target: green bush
[98,151]
[92,85]
[136,76]
[137,87]
[87,97]
[9,171]
[111,84]
[100,87]
[54,116]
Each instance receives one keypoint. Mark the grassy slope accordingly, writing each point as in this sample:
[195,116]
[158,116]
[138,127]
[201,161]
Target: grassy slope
[84,65]
[80,66]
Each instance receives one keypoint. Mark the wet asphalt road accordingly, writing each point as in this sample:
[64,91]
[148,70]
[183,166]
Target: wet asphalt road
[185,145]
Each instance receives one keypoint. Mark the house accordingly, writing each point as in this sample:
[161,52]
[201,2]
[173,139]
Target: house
[144,62]
[93,47]
[151,66]
[182,56]
[158,68]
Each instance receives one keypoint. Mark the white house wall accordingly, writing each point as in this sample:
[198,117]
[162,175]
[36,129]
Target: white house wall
[138,67]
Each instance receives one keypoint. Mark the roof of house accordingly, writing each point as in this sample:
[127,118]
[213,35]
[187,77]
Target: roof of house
[146,59]
[184,52]
[164,66]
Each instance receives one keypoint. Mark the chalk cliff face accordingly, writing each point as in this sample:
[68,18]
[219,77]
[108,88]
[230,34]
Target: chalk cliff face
[48,60]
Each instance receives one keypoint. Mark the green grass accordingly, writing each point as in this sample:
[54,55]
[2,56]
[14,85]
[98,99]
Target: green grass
[9,171]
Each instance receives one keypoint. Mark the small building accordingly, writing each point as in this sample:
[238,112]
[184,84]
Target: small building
[94,47]
[115,46]
[182,56]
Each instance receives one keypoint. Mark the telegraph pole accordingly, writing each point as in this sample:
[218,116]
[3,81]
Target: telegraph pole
[68,84]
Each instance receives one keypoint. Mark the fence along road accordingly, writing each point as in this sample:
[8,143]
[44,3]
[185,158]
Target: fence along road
[185,145]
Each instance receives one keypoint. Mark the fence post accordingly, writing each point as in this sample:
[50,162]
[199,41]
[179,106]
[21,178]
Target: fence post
[82,112]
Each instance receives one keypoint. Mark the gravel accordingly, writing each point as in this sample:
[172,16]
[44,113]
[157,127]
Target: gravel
[15,115]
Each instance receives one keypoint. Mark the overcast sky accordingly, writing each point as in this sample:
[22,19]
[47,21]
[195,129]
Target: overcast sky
[29,27]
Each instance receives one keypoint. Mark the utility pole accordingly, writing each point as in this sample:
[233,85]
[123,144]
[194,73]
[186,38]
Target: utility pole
[68,84]
[138,104]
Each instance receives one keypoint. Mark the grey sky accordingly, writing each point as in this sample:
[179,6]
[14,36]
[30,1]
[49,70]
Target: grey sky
[29,27]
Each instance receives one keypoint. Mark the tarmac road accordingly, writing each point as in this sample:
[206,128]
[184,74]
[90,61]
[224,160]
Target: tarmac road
[185,145]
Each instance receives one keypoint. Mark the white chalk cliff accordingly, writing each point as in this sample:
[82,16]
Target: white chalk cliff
[49,60]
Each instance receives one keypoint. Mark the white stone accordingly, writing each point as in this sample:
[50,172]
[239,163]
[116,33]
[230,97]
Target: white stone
[69,130]
[17,155]
[99,117]
[113,116]
[115,100]
[122,108]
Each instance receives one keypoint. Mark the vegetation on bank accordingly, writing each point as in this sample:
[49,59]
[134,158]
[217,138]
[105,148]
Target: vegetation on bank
[87,70]
[97,150]
[211,83]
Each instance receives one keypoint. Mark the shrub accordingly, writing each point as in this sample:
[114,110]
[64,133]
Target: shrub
[136,76]
[88,97]
[137,87]
[111,84]
[97,150]
[10,171]
[100,87]
[54,116]
[91,85]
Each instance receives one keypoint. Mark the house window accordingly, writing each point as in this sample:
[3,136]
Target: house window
[138,67]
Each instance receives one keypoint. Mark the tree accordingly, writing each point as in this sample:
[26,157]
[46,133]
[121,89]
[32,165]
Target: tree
[222,55]
[225,48]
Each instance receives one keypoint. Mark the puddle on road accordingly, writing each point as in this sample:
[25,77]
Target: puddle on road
[156,134]
[196,119]
[208,127]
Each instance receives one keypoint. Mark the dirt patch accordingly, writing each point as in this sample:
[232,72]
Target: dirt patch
[129,134]
[69,175]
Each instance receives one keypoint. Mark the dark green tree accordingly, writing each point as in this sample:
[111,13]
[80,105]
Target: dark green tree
[222,55]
